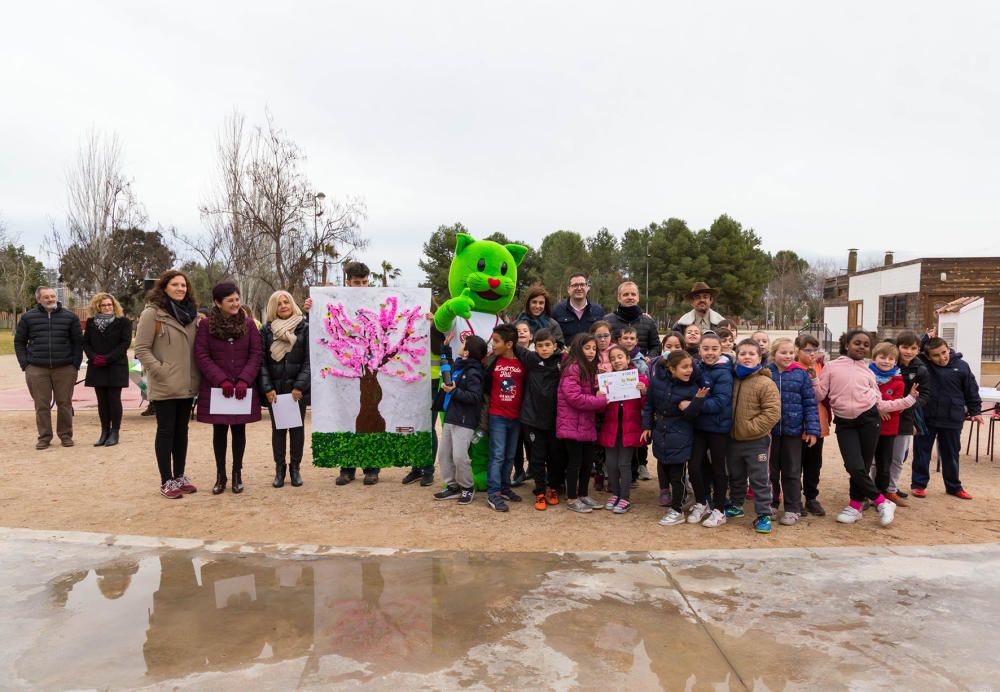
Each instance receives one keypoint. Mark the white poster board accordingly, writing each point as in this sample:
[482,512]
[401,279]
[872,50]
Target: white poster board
[370,360]
[619,386]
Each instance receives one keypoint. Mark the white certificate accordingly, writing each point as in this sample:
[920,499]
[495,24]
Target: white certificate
[220,405]
[620,385]
[286,413]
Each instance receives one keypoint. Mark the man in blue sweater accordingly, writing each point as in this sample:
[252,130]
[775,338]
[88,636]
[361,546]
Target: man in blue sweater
[576,314]
[956,397]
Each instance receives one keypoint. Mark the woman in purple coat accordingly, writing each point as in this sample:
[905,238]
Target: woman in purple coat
[228,352]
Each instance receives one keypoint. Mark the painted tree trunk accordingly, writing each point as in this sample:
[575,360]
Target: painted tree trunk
[369,420]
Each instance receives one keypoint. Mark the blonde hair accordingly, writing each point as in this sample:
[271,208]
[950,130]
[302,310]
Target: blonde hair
[886,349]
[95,305]
[777,343]
[271,311]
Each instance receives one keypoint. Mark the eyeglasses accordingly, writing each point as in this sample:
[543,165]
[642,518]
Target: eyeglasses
[602,337]
[809,350]
[578,285]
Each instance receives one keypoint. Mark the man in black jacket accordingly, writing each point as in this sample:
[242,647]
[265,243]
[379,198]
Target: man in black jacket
[49,347]
[629,314]
[576,314]
[955,397]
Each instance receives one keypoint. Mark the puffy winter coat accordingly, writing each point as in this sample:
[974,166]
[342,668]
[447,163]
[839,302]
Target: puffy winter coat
[891,389]
[49,339]
[113,344]
[717,412]
[292,371]
[673,429]
[914,374]
[166,350]
[541,388]
[576,410]
[227,359]
[563,313]
[466,402]
[956,394]
[799,412]
[645,330]
[631,417]
[756,406]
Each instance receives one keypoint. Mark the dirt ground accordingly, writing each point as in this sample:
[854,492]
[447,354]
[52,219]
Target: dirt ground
[115,490]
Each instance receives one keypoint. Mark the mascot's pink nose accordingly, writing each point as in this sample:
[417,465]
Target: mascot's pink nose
[494,283]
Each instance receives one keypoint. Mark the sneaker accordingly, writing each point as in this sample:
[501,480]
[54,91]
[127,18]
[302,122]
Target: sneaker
[612,501]
[672,517]
[413,476]
[427,480]
[849,515]
[593,504]
[497,504]
[371,478]
[734,512]
[452,492]
[918,492]
[644,474]
[902,494]
[42,445]
[518,479]
[715,519]
[665,498]
[540,504]
[900,502]
[790,518]
[599,482]
[67,442]
[184,485]
[815,508]
[961,495]
[551,496]
[510,495]
[622,507]
[762,524]
[344,479]
[465,498]
[578,506]
[698,512]
[886,512]
[171,490]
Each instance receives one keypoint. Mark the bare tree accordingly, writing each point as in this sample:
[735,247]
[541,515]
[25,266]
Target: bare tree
[266,224]
[100,199]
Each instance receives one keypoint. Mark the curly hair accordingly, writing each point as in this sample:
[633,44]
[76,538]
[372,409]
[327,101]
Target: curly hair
[95,304]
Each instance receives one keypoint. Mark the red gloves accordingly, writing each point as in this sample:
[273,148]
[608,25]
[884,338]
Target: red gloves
[99,361]
[228,388]
[241,389]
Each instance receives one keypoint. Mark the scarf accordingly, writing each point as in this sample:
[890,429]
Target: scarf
[183,311]
[536,323]
[744,372]
[102,320]
[882,376]
[227,327]
[284,336]
[629,314]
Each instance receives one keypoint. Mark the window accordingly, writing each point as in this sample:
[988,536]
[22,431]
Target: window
[893,311]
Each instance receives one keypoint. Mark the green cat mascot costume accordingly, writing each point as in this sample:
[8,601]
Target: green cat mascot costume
[482,281]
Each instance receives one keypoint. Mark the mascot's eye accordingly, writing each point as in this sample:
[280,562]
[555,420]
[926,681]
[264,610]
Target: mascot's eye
[503,268]
[481,265]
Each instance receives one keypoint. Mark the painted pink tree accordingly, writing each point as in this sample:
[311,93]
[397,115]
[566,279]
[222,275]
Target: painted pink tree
[372,343]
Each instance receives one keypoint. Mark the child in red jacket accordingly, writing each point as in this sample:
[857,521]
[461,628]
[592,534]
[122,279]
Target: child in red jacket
[891,385]
[620,433]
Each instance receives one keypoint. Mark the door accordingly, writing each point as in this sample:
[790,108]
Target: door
[855,312]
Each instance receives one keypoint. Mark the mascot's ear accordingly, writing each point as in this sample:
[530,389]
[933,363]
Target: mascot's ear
[518,252]
[462,241]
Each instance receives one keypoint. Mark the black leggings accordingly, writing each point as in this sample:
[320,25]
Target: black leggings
[812,462]
[219,439]
[673,475]
[296,438]
[109,407]
[579,464]
[171,442]
[708,465]
[857,439]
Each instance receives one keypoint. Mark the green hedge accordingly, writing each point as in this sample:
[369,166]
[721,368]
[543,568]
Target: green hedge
[366,450]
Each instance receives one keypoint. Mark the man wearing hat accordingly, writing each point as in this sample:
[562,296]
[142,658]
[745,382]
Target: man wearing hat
[701,296]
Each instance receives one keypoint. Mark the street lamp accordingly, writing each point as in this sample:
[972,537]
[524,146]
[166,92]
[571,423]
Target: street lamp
[647,277]
[317,212]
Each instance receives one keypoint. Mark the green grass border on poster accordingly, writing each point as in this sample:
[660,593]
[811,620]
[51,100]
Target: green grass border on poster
[370,450]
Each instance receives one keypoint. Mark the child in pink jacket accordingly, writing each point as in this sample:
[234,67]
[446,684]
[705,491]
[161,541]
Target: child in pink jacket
[621,430]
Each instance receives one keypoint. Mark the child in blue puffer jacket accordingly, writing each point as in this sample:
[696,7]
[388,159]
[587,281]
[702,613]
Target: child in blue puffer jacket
[711,436]
[673,402]
[799,416]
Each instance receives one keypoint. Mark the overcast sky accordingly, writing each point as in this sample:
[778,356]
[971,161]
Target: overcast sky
[858,124]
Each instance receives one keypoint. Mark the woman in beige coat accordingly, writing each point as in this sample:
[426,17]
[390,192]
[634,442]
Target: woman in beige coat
[164,344]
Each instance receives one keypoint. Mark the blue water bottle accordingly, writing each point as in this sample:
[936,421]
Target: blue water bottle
[446,365]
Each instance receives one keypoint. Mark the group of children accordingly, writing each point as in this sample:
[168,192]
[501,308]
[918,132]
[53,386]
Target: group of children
[727,421]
